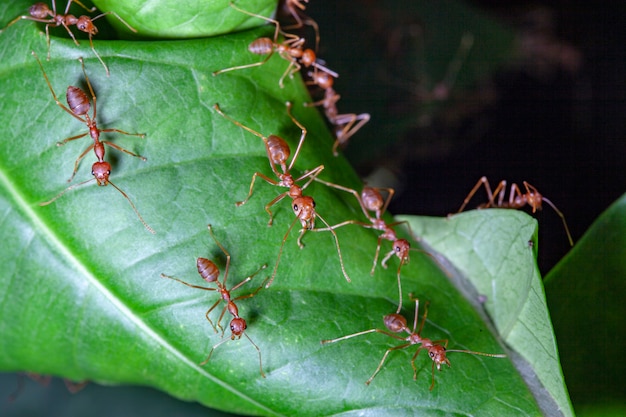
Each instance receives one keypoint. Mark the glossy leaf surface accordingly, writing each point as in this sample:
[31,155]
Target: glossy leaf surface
[586,297]
[186,18]
[81,294]
[494,250]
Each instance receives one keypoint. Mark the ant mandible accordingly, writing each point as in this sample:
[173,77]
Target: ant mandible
[40,12]
[517,199]
[79,106]
[303,206]
[290,50]
[437,349]
[210,273]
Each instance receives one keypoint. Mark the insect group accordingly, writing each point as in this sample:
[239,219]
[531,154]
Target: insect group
[371,201]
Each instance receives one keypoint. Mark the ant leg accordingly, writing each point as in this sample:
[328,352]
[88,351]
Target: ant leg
[119,148]
[80,158]
[259,352]
[256,174]
[382,361]
[482,181]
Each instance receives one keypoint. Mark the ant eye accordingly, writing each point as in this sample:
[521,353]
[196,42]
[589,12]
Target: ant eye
[314,204]
[431,354]
[295,207]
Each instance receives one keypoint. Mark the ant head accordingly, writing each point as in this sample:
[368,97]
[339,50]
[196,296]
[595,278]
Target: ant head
[401,248]
[395,322]
[372,199]
[308,57]
[237,327]
[39,10]
[101,171]
[77,101]
[304,208]
[207,270]
[278,151]
[437,353]
[85,24]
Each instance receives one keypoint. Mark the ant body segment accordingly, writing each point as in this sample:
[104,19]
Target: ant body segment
[345,125]
[79,108]
[291,50]
[516,200]
[210,273]
[371,200]
[437,349]
[303,206]
[40,12]
[296,8]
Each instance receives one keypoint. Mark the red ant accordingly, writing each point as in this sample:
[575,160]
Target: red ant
[437,349]
[79,106]
[371,200]
[40,12]
[303,206]
[346,124]
[290,50]
[296,9]
[210,273]
[517,199]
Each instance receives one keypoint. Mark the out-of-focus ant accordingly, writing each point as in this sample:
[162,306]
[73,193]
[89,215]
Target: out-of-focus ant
[517,199]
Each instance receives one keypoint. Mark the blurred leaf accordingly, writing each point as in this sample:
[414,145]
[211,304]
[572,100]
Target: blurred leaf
[80,279]
[186,18]
[493,249]
[586,296]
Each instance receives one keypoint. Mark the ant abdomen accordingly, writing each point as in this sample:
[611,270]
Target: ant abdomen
[395,322]
[39,10]
[78,100]
[372,199]
[261,46]
[207,270]
[278,150]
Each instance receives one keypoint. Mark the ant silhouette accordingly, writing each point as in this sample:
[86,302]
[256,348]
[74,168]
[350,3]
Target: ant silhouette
[437,349]
[40,12]
[290,50]
[303,206]
[517,199]
[210,273]
[79,106]
[345,125]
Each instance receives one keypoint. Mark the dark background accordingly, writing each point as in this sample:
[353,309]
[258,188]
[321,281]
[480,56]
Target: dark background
[552,115]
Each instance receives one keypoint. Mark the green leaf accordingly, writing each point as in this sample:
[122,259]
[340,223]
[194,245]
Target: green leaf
[186,18]
[586,292]
[494,250]
[81,282]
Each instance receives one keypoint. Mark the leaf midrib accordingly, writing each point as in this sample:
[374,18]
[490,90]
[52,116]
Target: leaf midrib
[53,240]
